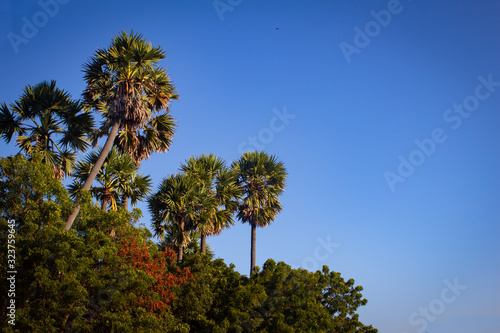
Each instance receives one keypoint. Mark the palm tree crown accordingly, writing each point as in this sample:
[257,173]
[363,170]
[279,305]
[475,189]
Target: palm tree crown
[212,173]
[49,121]
[118,179]
[125,83]
[177,207]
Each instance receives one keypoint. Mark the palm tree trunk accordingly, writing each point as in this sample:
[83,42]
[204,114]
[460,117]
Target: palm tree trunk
[179,253]
[180,242]
[203,242]
[104,204]
[93,173]
[252,248]
[125,202]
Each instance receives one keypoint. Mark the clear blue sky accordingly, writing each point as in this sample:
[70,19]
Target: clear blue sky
[358,93]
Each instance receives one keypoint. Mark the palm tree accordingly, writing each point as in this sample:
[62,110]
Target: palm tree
[176,208]
[117,179]
[211,172]
[156,136]
[192,248]
[47,120]
[262,179]
[125,83]
[134,187]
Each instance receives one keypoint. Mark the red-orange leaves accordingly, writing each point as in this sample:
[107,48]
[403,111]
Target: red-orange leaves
[160,267]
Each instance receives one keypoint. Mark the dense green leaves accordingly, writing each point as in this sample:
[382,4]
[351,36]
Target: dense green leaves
[81,280]
[275,299]
[84,280]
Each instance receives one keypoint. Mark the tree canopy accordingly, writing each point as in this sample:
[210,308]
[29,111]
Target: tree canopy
[126,283]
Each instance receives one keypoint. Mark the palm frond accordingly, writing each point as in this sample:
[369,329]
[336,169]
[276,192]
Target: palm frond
[261,177]
[10,123]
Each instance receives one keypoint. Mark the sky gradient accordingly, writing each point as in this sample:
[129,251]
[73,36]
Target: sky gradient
[385,113]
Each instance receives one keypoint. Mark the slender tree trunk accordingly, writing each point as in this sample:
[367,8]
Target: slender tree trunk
[180,242]
[203,242]
[93,173]
[179,253]
[252,247]
[104,204]
[125,202]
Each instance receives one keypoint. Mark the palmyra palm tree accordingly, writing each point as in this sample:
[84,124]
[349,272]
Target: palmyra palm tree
[134,187]
[47,120]
[262,179]
[193,247]
[125,83]
[211,172]
[177,207]
[117,179]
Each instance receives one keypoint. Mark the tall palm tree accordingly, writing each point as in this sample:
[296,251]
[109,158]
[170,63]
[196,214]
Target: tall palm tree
[262,180]
[117,179]
[47,120]
[126,84]
[176,208]
[211,172]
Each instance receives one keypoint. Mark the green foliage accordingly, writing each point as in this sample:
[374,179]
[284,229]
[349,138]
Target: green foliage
[85,280]
[106,274]
[276,299]
[29,193]
[81,280]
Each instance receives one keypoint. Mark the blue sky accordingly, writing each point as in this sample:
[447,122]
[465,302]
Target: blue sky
[354,95]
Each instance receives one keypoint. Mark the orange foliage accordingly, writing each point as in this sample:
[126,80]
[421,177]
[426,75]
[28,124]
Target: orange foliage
[157,266]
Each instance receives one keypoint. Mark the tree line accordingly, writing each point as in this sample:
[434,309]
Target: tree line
[85,264]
